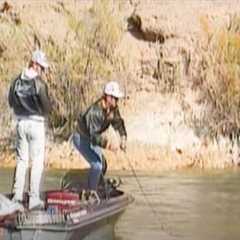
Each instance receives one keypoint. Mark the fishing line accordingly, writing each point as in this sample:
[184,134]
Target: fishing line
[164,226]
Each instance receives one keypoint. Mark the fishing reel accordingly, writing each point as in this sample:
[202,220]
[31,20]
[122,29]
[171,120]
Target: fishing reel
[108,187]
[114,182]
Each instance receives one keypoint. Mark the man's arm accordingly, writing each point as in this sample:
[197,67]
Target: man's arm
[118,123]
[44,97]
[11,93]
[10,96]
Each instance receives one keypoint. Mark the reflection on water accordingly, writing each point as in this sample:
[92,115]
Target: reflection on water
[180,205]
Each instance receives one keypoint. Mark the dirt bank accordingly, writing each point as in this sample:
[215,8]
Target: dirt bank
[158,49]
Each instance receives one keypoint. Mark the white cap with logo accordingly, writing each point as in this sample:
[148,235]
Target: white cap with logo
[112,88]
[39,57]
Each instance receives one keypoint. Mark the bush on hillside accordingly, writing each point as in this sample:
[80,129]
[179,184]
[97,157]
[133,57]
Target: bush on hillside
[218,78]
[79,66]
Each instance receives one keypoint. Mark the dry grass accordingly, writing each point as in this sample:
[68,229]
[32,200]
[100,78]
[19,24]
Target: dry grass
[218,77]
[80,63]
[82,67]
[143,157]
[83,57]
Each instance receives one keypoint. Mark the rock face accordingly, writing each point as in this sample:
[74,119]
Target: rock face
[163,37]
[168,31]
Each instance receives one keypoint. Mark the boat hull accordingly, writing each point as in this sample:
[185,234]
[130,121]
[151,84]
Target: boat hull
[102,229]
[98,223]
[67,216]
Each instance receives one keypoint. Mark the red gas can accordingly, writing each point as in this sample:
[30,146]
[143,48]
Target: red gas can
[62,201]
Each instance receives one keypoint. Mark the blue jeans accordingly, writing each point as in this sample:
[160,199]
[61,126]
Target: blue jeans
[93,154]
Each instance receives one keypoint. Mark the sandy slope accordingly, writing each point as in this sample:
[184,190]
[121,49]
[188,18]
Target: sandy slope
[158,136]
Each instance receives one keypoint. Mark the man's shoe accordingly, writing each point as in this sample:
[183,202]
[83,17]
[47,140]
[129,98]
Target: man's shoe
[94,198]
[84,196]
[16,199]
[37,205]
[18,204]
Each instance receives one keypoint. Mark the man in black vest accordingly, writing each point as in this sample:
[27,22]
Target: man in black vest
[28,96]
[89,139]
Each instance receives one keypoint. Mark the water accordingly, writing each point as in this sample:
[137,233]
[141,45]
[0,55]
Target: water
[177,205]
[188,205]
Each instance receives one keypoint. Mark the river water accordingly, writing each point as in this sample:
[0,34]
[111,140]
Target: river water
[179,205]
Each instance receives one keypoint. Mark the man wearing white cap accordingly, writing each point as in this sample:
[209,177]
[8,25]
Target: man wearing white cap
[28,96]
[89,140]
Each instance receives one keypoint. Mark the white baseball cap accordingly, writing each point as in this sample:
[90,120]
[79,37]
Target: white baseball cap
[112,88]
[39,57]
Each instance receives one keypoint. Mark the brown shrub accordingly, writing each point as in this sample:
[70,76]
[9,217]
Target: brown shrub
[218,77]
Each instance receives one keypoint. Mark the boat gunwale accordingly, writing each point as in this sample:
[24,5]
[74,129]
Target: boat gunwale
[92,216]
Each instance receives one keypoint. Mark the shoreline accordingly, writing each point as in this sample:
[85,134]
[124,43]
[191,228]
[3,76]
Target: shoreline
[139,157]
